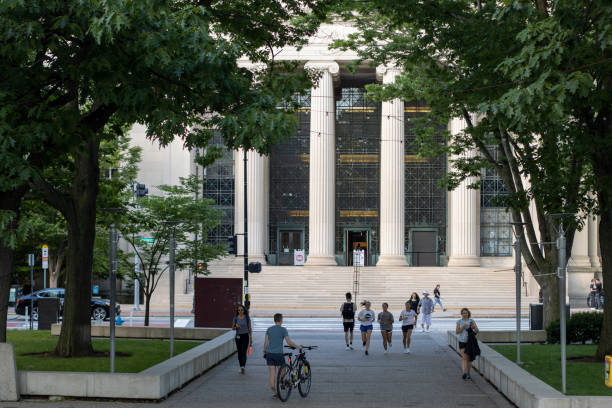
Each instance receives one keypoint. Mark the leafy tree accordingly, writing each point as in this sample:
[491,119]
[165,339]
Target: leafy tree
[155,217]
[452,53]
[69,68]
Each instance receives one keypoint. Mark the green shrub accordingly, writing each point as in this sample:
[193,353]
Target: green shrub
[581,328]
[585,327]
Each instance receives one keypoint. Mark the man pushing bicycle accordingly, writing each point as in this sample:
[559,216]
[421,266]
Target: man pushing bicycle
[273,348]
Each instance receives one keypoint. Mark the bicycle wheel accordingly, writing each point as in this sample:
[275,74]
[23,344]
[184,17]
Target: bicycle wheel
[283,382]
[305,377]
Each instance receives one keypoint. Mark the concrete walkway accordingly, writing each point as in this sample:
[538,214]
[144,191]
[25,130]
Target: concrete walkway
[429,377]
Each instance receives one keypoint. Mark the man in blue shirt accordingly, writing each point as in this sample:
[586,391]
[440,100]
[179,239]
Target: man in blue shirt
[273,348]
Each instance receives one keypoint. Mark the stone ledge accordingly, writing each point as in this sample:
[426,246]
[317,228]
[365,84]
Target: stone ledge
[509,336]
[153,383]
[519,386]
[9,390]
[142,332]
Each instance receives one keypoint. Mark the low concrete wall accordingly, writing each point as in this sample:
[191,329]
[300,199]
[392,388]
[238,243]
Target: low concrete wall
[522,388]
[8,369]
[509,336]
[141,332]
[153,383]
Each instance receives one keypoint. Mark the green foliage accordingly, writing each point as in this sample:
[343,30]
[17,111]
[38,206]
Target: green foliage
[176,213]
[581,328]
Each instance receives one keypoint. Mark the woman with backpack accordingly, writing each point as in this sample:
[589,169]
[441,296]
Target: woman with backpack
[465,326]
[244,334]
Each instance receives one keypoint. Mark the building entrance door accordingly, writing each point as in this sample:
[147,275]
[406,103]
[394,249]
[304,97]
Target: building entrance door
[290,240]
[356,240]
[424,248]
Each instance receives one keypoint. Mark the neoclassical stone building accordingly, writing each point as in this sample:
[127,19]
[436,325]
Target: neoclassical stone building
[350,177]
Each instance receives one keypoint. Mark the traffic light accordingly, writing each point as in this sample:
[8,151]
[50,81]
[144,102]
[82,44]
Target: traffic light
[141,190]
[200,267]
[231,244]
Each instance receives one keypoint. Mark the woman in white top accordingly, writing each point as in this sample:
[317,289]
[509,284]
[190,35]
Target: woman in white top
[408,318]
[466,322]
[367,318]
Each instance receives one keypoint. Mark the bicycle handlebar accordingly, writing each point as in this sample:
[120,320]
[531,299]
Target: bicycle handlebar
[304,347]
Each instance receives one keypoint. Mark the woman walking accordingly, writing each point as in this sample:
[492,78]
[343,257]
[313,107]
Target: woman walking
[414,302]
[408,318]
[366,317]
[385,319]
[244,335]
[465,324]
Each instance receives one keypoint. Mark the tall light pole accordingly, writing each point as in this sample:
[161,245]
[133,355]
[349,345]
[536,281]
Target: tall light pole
[518,232]
[247,301]
[113,277]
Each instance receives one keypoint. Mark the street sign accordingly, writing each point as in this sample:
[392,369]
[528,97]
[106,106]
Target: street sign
[31,260]
[148,240]
[45,257]
[298,257]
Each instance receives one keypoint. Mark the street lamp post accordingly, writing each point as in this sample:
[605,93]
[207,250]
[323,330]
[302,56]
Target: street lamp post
[247,301]
[518,271]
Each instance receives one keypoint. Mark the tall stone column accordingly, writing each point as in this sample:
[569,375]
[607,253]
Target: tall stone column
[256,205]
[239,199]
[464,217]
[322,200]
[392,186]
[593,222]
[580,250]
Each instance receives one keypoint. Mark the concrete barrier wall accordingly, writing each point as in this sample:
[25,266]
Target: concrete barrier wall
[509,336]
[141,332]
[9,390]
[153,383]
[519,386]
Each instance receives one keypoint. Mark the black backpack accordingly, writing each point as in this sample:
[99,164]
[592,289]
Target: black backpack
[348,311]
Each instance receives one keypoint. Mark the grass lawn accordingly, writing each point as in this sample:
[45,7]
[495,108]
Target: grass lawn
[142,353]
[544,361]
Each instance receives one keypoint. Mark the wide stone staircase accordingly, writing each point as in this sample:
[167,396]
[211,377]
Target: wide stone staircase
[323,288]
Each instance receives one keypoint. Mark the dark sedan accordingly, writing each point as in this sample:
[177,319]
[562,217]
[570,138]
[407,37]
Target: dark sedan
[100,308]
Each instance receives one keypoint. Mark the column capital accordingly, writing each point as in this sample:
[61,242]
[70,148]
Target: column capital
[387,73]
[252,66]
[331,66]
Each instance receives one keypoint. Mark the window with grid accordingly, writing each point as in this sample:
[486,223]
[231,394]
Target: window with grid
[289,178]
[425,201]
[495,228]
[219,187]
[357,162]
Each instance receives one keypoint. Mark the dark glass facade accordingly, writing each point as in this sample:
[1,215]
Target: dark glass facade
[425,202]
[289,176]
[495,229]
[219,187]
[357,172]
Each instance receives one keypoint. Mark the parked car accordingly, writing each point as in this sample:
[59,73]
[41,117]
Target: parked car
[100,308]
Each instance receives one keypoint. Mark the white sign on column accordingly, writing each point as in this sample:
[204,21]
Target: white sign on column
[358,257]
[298,257]
[45,264]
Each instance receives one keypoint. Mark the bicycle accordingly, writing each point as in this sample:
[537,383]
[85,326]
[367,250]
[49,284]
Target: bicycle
[296,374]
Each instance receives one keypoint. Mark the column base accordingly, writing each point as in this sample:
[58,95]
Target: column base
[321,260]
[579,262]
[596,264]
[392,260]
[464,261]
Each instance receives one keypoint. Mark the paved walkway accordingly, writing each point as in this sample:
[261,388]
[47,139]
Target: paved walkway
[429,377]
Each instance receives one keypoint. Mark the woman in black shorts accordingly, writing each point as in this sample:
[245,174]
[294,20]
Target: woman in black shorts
[408,318]
[466,322]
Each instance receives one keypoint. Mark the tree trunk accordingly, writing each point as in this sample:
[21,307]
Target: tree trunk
[550,295]
[147,307]
[56,261]
[605,242]
[10,201]
[75,336]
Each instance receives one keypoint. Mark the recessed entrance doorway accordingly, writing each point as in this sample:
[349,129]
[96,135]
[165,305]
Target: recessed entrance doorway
[356,239]
[424,248]
[289,241]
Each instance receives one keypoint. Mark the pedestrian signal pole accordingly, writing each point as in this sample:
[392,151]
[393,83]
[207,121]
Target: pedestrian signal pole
[561,248]
[518,232]
[31,263]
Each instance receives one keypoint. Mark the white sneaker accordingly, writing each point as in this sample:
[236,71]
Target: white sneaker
[405,351]
[347,348]
[408,350]
[390,345]
[351,347]
[422,330]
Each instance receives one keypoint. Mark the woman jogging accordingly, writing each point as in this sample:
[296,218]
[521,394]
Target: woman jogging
[385,319]
[408,318]
[366,317]
[414,302]
[466,322]
[244,335]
